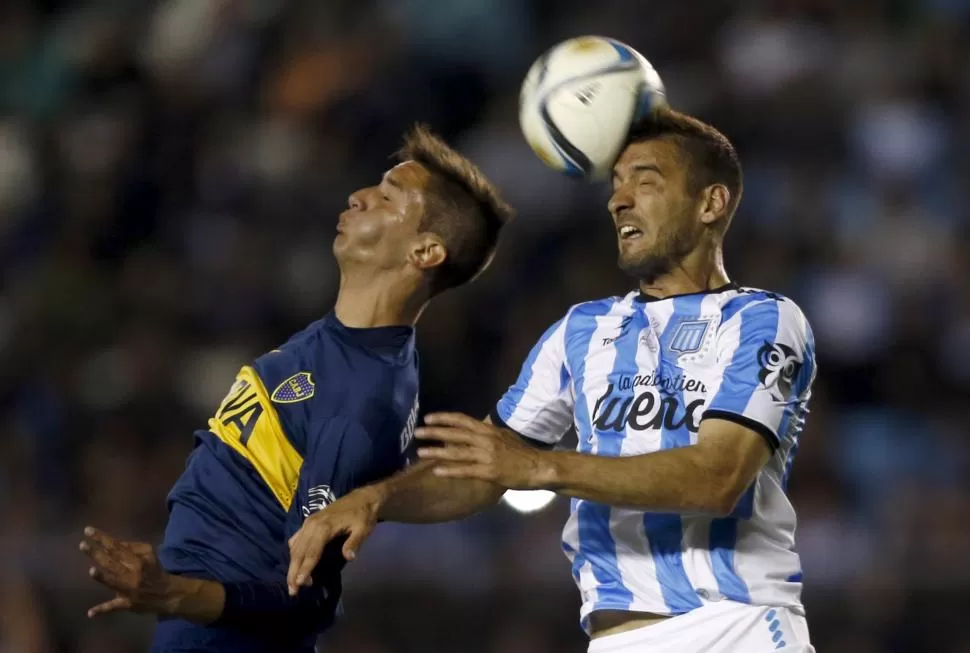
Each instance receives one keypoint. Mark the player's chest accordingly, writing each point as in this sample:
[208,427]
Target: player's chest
[643,384]
[379,398]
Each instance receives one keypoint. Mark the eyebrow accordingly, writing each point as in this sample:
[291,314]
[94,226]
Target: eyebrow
[641,167]
[647,167]
[392,181]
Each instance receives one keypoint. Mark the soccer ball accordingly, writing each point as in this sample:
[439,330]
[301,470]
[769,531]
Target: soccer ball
[579,100]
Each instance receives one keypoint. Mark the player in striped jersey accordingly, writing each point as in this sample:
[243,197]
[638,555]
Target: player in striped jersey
[688,396]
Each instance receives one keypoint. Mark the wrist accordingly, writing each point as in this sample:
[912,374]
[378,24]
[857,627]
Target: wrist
[548,470]
[196,600]
[375,497]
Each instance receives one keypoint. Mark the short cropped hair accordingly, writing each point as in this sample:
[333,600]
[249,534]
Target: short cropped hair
[710,156]
[463,208]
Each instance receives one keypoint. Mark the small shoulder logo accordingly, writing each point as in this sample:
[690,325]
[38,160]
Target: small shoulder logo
[624,324]
[689,336]
[779,367]
[318,498]
[298,387]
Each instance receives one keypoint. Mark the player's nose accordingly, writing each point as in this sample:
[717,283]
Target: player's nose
[620,202]
[356,201]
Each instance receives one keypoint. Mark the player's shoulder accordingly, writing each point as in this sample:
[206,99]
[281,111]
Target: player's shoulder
[289,370]
[752,301]
[769,309]
[751,294]
[581,319]
[600,307]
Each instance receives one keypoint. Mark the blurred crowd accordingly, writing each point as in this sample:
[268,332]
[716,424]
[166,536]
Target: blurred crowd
[170,174]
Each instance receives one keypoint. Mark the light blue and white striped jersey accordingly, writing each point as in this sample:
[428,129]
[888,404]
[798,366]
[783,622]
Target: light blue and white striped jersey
[637,374]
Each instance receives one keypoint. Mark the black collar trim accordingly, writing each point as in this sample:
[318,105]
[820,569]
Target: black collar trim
[643,297]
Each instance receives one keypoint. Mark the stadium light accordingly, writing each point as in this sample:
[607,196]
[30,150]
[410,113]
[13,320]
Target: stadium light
[527,501]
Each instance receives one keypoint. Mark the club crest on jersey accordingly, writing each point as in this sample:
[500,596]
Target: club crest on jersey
[298,387]
[779,367]
[689,336]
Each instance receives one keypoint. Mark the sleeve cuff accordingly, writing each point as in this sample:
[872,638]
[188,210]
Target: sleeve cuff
[766,433]
[499,422]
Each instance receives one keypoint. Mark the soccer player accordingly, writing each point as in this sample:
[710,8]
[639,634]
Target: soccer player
[688,396]
[332,409]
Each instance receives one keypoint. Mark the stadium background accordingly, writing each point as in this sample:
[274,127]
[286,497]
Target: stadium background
[169,177]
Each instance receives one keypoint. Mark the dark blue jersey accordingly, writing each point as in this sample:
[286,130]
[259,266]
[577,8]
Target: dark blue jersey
[329,411]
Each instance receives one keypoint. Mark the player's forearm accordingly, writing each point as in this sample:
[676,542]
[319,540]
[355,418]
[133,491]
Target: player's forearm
[418,496]
[263,606]
[674,480]
[194,599]
[267,607]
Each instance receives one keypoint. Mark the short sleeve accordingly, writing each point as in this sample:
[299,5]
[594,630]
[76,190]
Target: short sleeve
[766,356]
[539,406]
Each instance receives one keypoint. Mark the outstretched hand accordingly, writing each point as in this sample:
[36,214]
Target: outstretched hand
[475,449]
[132,571]
[354,515]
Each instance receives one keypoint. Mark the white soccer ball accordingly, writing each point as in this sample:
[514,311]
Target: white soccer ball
[579,100]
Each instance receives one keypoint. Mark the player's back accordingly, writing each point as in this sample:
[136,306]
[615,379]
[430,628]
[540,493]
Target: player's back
[330,410]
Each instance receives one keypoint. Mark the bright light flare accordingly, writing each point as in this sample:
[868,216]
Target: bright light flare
[528,501]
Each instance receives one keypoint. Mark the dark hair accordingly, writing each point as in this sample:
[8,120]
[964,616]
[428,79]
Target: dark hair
[463,208]
[710,156]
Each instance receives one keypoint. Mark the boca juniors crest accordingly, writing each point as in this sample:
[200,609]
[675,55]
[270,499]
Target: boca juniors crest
[298,387]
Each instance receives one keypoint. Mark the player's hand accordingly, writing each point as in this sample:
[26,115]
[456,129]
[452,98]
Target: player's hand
[478,450]
[354,515]
[133,572]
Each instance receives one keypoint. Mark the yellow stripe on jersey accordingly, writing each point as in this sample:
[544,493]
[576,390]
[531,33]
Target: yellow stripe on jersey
[248,422]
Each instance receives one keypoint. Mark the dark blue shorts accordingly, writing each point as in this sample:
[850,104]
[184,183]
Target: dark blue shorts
[180,636]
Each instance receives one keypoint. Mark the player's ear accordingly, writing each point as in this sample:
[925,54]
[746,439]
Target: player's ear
[715,201]
[427,251]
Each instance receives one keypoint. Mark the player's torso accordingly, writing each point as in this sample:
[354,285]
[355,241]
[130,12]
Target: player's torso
[231,510]
[641,372]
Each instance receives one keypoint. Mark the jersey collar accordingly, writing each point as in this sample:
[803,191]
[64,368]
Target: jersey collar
[391,341]
[644,297]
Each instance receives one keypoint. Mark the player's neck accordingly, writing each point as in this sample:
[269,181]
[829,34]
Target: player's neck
[699,271]
[376,302]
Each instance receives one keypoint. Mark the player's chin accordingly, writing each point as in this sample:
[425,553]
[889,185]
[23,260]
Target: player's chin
[642,264]
[632,252]
[340,243]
